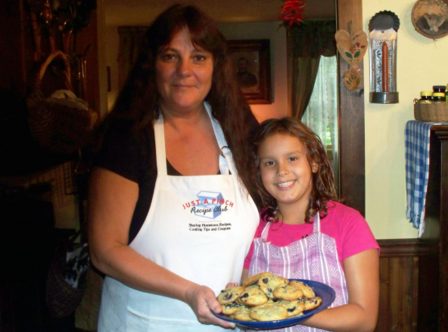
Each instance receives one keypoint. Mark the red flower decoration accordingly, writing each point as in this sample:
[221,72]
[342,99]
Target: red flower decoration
[292,12]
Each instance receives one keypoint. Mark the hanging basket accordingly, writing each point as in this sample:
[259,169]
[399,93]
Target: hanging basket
[60,123]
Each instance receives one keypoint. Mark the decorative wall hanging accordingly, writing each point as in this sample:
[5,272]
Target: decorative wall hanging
[352,49]
[383,28]
[430,18]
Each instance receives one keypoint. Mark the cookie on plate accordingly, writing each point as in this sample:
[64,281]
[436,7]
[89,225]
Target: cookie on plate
[306,290]
[254,278]
[229,294]
[253,296]
[268,312]
[293,308]
[242,313]
[287,292]
[311,303]
[231,308]
[269,283]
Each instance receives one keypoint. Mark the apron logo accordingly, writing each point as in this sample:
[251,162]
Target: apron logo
[208,204]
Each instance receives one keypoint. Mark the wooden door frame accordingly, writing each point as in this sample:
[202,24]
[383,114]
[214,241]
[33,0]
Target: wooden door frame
[351,117]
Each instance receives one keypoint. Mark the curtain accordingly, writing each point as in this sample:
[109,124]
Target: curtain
[129,42]
[321,112]
[306,44]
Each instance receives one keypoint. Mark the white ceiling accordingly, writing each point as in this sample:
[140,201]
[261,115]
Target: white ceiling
[142,12]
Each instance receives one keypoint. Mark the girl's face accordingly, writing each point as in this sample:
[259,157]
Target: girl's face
[184,74]
[285,171]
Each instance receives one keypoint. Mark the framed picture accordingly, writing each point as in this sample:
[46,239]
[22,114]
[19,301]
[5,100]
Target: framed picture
[252,63]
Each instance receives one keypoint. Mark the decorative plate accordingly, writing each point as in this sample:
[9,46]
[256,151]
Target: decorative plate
[325,292]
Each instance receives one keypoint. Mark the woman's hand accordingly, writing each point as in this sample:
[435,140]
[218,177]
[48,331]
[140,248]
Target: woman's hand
[203,302]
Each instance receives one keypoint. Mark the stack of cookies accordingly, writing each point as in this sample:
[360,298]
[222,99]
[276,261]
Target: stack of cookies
[267,297]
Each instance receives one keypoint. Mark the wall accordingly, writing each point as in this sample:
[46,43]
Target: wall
[277,36]
[421,63]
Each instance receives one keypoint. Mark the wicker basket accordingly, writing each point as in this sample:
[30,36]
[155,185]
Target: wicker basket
[436,112]
[59,125]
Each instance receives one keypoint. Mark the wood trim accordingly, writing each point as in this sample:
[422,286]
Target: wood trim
[351,117]
[407,247]
[408,285]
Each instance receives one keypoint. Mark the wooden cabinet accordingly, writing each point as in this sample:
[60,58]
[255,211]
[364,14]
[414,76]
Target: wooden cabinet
[414,272]
[436,232]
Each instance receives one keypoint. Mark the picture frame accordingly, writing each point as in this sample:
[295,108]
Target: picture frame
[253,66]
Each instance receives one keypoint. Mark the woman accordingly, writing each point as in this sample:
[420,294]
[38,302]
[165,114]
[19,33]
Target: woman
[170,218]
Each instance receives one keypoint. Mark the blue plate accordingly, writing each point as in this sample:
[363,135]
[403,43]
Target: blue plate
[326,293]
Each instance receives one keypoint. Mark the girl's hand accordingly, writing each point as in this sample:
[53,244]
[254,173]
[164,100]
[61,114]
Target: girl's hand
[203,302]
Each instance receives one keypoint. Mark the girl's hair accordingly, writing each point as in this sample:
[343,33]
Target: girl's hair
[137,103]
[323,180]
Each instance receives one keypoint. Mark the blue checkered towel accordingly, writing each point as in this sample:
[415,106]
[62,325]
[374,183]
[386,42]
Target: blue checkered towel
[417,137]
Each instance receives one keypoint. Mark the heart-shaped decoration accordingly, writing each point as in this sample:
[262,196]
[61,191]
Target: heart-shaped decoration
[351,47]
[352,78]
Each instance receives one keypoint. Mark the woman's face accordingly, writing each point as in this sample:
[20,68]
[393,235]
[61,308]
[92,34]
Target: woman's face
[285,171]
[183,73]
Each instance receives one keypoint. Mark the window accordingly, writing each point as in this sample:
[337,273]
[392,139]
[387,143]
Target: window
[321,114]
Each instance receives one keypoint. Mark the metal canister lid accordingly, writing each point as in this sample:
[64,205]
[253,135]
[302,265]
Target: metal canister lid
[426,93]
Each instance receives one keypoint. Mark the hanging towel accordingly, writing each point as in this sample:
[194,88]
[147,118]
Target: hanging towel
[417,138]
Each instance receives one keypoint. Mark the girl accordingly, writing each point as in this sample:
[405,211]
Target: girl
[305,233]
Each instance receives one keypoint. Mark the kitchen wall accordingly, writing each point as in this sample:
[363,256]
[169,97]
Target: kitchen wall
[421,63]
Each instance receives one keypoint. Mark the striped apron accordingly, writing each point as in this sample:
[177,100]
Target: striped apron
[314,257]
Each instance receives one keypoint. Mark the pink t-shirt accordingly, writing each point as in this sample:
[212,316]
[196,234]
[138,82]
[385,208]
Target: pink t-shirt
[345,224]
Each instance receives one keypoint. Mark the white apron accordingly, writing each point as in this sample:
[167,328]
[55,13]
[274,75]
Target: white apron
[199,227]
[314,257]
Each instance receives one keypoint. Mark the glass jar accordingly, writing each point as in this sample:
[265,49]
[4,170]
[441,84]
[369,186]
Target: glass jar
[439,88]
[446,94]
[425,97]
[438,97]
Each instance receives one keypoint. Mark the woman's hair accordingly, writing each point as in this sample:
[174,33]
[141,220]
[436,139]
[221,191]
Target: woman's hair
[137,103]
[323,180]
